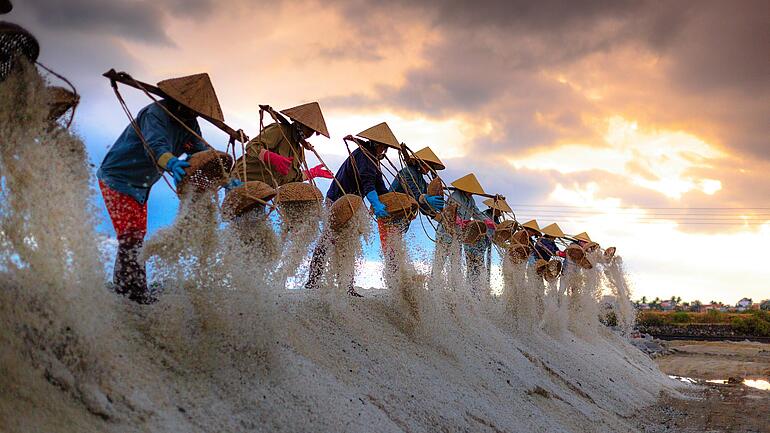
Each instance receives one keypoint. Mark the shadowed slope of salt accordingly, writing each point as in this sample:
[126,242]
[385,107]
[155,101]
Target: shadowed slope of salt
[228,348]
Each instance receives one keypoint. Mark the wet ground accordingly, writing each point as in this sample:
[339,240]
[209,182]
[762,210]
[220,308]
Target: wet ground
[729,394]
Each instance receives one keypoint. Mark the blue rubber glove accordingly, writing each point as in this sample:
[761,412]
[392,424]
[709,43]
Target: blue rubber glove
[234,183]
[176,167]
[436,202]
[377,206]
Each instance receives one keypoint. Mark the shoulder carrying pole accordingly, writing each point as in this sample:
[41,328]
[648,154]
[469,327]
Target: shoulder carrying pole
[128,80]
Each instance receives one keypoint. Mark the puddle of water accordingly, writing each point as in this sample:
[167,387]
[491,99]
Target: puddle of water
[752,383]
[758,384]
[684,379]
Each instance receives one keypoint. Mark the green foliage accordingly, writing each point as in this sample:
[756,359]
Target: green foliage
[713,316]
[680,317]
[610,319]
[649,318]
[753,324]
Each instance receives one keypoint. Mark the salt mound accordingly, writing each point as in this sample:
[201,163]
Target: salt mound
[228,348]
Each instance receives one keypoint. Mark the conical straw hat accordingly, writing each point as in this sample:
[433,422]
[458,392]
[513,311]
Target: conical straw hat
[553,230]
[426,154]
[532,225]
[382,134]
[469,183]
[583,237]
[196,93]
[498,204]
[309,115]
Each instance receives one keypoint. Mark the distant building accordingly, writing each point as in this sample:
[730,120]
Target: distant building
[765,305]
[744,304]
[644,307]
[667,305]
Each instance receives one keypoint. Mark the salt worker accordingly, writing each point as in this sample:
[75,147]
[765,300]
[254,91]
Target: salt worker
[545,246]
[137,160]
[496,207]
[411,180]
[467,211]
[532,228]
[359,174]
[277,154]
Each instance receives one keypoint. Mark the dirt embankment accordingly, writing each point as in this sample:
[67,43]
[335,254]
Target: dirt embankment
[716,360]
[714,406]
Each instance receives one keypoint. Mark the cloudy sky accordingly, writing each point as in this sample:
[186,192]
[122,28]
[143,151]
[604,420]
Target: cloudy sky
[644,123]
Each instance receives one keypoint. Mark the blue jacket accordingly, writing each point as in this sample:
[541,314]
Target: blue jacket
[544,248]
[367,179]
[411,181]
[127,168]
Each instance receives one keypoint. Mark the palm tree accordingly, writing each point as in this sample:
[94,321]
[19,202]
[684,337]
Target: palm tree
[644,299]
[696,305]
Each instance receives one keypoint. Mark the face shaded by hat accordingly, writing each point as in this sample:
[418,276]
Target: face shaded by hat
[310,116]
[583,237]
[196,93]
[382,134]
[498,204]
[532,227]
[469,184]
[553,230]
[426,156]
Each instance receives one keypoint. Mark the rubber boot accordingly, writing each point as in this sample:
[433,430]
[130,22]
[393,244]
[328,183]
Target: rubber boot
[130,276]
[318,261]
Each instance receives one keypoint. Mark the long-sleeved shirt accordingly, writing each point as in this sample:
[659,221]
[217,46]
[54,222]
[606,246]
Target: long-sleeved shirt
[411,181]
[129,169]
[359,176]
[544,248]
[281,139]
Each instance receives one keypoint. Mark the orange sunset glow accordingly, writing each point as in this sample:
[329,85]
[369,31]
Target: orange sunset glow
[645,124]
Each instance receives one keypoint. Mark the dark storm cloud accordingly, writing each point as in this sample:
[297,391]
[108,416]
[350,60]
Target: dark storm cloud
[141,20]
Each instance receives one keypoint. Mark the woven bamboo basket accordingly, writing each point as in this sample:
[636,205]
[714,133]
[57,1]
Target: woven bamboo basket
[298,192]
[208,170]
[343,209]
[575,253]
[504,233]
[591,247]
[474,232]
[60,100]
[245,198]
[521,237]
[552,270]
[447,218]
[609,253]
[15,42]
[585,263]
[435,187]
[400,206]
[540,267]
[518,253]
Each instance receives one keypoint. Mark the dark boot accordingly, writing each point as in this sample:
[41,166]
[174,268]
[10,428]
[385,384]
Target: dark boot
[317,262]
[130,277]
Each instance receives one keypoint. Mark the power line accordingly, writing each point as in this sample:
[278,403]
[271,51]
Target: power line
[520,205]
[624,213]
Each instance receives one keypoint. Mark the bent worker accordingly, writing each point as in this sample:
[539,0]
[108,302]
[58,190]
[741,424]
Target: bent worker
[163,131]
[411,180]
[277,154]
[496,207]
[359,174]
[467,211]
